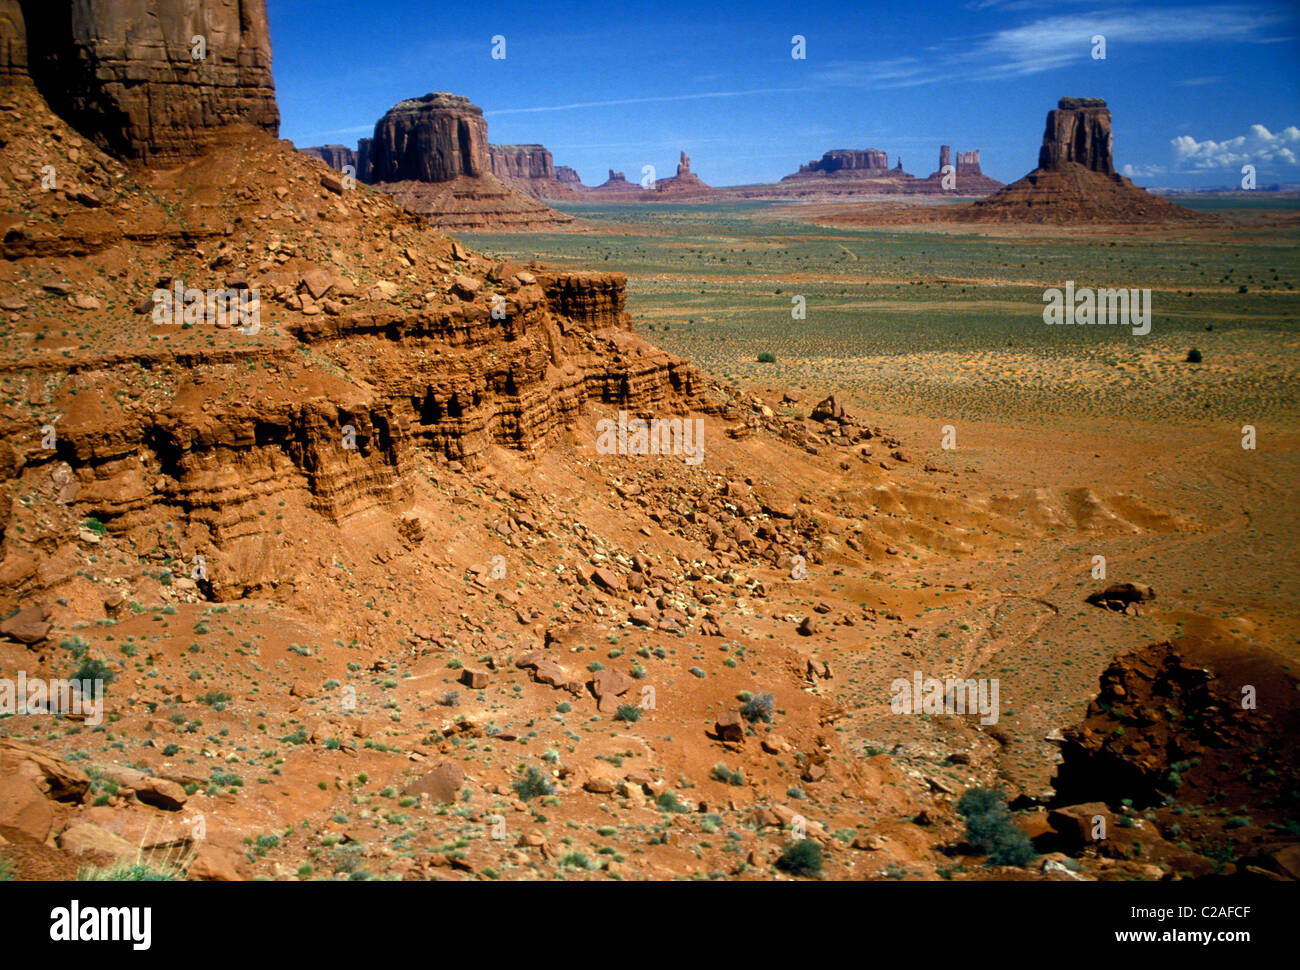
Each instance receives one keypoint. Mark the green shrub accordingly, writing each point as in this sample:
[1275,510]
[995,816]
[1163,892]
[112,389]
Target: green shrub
[759,708]
[532,784]
[724,774]
[92,668]
[1193,356]
[991,829]
[669,802]
[766,358]
[628,712]
[802,858]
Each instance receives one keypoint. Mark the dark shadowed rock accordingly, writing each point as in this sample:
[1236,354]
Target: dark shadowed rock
[124,72]
[1078,131]
[730,727]
[433,138]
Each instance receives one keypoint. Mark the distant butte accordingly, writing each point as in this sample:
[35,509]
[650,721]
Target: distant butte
[1075,180]
[431,154]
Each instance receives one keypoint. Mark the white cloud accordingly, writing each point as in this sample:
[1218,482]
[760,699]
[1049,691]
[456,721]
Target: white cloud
[1056,41]
[1142,171]
[1259,146]
[1052,42]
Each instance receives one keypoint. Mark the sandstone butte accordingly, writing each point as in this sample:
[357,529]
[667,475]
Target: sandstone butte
[1076,181]
[379,437]
[432,154]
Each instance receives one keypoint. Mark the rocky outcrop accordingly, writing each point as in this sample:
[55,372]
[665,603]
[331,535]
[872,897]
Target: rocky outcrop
[617,187]
[482,203]
[685,184]
[568,176]
[38,792]
[1202,721]
[521,162]
[128,74]
[382,347]
[434,138]
[337,157]
[968,163]
[1078,131]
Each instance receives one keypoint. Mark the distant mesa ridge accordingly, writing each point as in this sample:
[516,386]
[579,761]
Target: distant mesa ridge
[844,160]
[521,161]
[866,170]
[335,156]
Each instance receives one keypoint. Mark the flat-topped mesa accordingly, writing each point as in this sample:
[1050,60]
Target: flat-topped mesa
[434,138]
[131,76]
[846,159]
[567,175]
[521,161]
[1079,131]
[337,157]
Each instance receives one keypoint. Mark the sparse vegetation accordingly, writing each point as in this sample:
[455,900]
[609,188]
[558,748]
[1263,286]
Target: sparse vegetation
[991,829]
[802,858]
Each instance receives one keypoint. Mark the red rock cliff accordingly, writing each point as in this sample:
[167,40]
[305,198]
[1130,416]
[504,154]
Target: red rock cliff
[521,161]
[1078,131]
[129,75]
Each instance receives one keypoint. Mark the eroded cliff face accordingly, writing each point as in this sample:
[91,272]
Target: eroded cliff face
[434,138]
[521,162]
[152,80]
[1079,131]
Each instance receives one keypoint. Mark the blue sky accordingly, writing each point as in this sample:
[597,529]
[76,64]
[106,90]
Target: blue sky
[1196,89]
